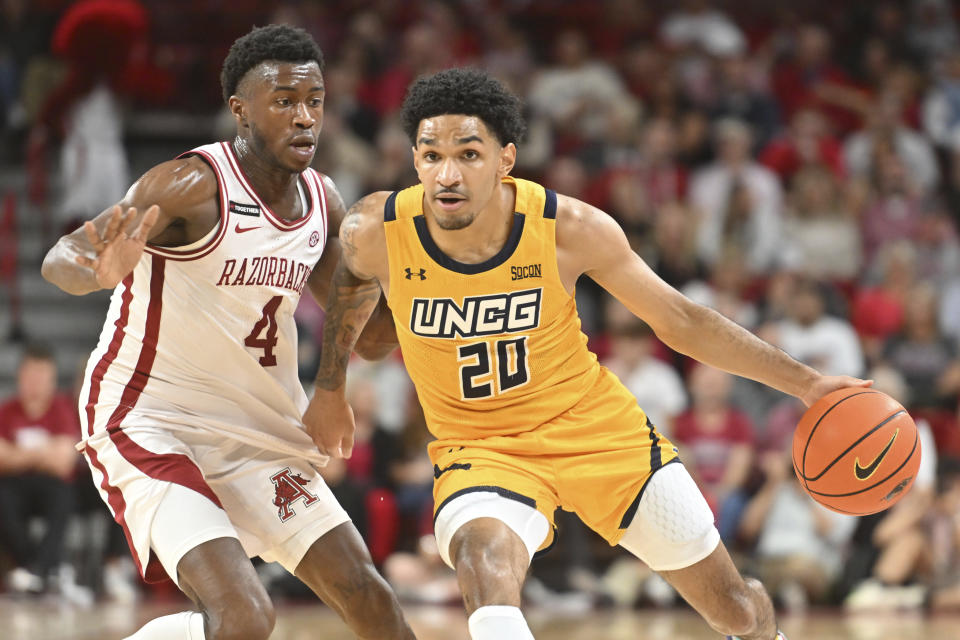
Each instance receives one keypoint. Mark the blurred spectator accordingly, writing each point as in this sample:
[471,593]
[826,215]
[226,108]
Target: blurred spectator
[827,343]
[22,37]
[941,106]
[798,543]
[809,78]
[807,142]
[421,576]
[343,155]
[893,208]
[892,548]
[938,249]
[343,97]
[949,311]
[945,538]
[887,136]
[952,186]
[508,55]
[699,25]
[104,44]
[38,428]
[740,201]
[740,95]
[878,309]
[932,30]
[576,94]
[819,230]
[650,174]
[922,354]
[393,169]
[726,290]
[657,386]
[423,50]
[716,442]
[674,255]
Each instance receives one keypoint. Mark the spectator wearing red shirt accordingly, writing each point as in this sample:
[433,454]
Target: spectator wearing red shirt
[38,428]
[810,79]
[716,442]
[878,310]
[806,142]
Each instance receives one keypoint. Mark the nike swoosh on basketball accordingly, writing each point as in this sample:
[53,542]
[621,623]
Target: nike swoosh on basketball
[865,472]
[240,229]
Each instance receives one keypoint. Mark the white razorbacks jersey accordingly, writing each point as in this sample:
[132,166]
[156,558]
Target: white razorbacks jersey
[203,336]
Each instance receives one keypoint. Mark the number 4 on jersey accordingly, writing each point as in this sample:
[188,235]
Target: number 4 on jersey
[268,321]
[509,364]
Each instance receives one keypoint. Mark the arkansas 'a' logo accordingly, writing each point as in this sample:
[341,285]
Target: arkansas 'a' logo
[289,488]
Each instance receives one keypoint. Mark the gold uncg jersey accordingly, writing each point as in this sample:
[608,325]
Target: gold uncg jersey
[495,348]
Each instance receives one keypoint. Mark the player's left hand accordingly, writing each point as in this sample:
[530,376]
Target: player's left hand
[329,421]
[825,384]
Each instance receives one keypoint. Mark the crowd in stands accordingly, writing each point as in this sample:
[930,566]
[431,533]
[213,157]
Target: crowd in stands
[796,167]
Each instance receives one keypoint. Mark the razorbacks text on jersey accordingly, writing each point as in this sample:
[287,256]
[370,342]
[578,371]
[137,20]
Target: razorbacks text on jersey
[203,336]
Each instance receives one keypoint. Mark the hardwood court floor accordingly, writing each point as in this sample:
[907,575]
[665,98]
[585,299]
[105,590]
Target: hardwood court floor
[44,620]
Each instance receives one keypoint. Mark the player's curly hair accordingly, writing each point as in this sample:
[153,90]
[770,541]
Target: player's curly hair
[273,42]
[463,91]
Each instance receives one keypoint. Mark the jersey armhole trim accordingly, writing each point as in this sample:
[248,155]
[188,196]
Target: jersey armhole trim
[173,253]
[550,204]
[390,208]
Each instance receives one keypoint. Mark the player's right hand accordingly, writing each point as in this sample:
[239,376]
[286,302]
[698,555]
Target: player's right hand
[117,252]
[330,423]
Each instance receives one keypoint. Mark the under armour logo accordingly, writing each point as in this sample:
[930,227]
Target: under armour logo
[422,274]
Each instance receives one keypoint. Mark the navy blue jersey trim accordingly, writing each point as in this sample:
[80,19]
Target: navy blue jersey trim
[390,208]
[542,552]
[506,493]
[632,509]
[550,205]
[445,261]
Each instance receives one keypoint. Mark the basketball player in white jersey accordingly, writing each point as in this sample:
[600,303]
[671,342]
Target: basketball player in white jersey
[192,407]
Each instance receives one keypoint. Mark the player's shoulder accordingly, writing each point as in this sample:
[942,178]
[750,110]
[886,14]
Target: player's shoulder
[181,183]
[371,207]
[577,219]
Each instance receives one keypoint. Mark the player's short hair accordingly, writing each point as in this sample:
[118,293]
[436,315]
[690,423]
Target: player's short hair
[468,92]
[278,42]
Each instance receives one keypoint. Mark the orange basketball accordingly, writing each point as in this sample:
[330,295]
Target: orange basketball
[856,451]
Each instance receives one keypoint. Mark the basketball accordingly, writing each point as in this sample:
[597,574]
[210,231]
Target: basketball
[856,451]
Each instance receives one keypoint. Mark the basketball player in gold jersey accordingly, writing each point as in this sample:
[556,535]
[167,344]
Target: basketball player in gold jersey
[479,271]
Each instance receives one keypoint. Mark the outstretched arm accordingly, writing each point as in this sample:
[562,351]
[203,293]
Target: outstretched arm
[104,250]
[687,327]
[354,292]
[378,337]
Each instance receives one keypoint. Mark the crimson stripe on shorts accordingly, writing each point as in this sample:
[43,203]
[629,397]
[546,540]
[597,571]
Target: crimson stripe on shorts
[170,467]
[117,503]
[101,369]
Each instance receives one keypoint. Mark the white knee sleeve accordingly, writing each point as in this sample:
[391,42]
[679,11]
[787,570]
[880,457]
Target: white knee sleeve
[673,526]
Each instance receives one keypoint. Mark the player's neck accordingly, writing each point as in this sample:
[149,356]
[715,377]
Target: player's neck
[485,236]
[273,184]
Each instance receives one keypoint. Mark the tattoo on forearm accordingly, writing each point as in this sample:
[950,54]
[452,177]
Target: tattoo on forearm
[349,306]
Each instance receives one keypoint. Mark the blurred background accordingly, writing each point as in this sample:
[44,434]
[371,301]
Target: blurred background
[796,166]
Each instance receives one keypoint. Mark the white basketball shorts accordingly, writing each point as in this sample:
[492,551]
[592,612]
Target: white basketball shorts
[173,489]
